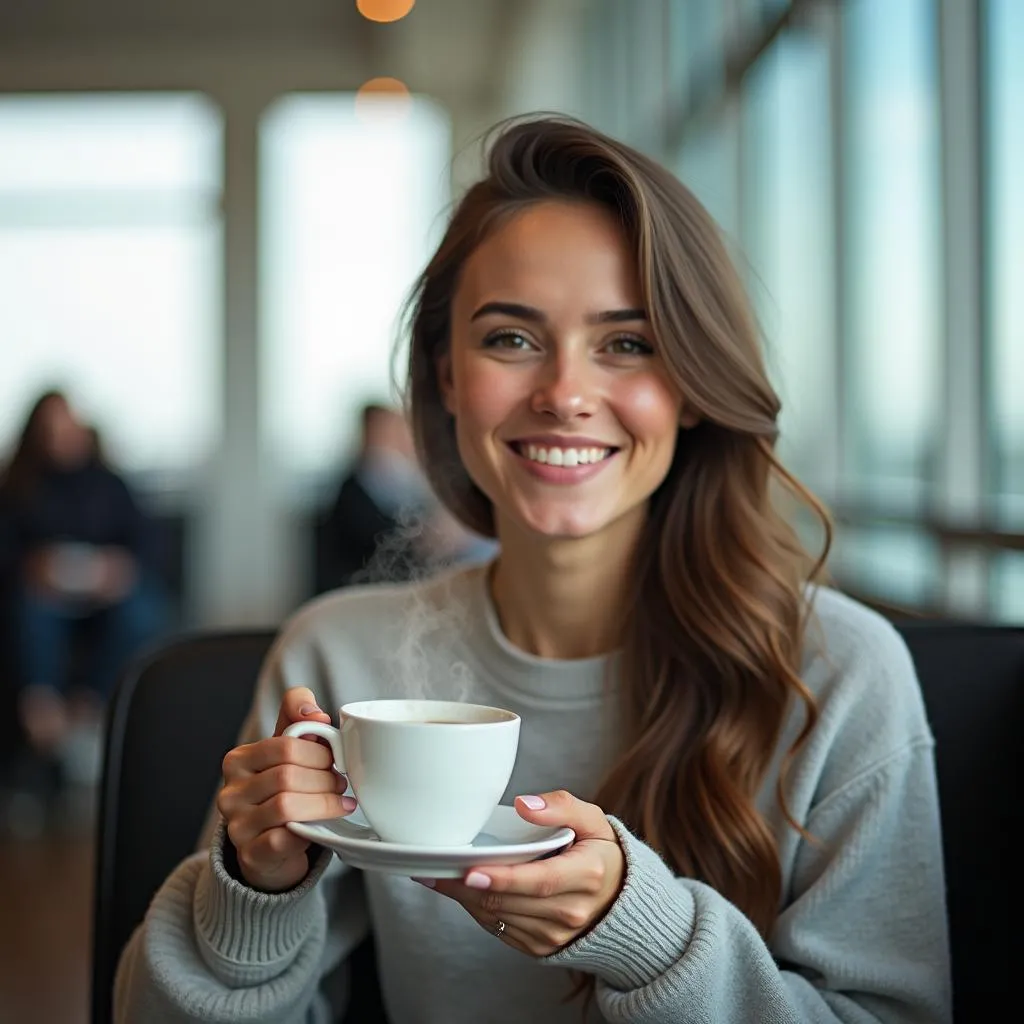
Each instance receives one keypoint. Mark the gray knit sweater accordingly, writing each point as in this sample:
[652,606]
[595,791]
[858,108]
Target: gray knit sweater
[862,931]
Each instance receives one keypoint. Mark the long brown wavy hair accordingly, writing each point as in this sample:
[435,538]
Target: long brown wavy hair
[714,626]
[20,476]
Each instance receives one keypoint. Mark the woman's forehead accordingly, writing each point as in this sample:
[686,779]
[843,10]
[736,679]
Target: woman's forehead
[554,254]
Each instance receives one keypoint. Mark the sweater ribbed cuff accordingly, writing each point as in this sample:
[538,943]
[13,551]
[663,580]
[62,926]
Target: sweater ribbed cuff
[248,937]
[646,929]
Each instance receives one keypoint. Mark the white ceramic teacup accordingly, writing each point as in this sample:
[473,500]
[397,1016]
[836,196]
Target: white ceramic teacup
[425,772]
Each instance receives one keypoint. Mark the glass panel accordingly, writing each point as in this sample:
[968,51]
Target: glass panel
[697,34]
[1005,72]
[351,209]
[789,240]
[753,13]
[1008,588]
[893,370]
[679,63]
[898,564]
[707,164]
[108,142]
[122,309]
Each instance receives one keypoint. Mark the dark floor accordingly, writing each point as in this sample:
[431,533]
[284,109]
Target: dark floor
[45,907]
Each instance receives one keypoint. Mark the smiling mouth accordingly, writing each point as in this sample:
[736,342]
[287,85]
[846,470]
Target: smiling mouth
[550,455]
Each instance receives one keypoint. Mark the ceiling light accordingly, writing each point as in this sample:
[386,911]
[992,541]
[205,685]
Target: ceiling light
[384,10]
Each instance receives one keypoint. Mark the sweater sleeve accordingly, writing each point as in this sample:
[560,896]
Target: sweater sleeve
[211,948]
[862,937]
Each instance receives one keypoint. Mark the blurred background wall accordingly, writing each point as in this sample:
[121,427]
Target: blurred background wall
[211,212]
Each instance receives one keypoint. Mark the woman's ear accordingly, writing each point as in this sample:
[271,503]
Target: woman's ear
[446,381]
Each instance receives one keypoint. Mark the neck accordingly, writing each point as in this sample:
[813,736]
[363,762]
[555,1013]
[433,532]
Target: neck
[564,598]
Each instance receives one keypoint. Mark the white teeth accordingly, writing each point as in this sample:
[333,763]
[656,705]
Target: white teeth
[565,456]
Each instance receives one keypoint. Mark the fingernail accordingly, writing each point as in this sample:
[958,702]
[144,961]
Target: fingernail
[429,883]
[349,804]
[477,880]
[309,709]
[535,803]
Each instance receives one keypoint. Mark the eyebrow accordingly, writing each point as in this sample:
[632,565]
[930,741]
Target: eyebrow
[533,315]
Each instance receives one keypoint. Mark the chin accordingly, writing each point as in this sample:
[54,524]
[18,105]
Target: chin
[563,524]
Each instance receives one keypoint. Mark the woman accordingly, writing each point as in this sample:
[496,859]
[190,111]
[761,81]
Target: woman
[744,756]
[74,546]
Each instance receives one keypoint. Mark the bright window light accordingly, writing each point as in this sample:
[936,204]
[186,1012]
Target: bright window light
[110,268]
[352,206]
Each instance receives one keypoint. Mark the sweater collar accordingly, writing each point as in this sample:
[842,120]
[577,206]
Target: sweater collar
[544,680]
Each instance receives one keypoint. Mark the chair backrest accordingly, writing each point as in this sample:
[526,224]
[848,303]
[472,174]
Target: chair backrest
[972,678]
[170,722]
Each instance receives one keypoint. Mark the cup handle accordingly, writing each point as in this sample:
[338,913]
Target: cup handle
[327,732]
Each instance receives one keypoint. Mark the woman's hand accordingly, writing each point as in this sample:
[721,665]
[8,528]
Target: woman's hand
[547,904]
[273,781]
[117,573]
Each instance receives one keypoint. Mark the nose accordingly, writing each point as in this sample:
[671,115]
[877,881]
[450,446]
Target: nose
[566,389]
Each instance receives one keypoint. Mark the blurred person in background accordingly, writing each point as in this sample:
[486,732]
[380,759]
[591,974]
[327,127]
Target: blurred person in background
[81,595]
[385,523]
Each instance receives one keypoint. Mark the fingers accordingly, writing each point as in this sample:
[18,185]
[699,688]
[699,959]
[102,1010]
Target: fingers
[570,912]
[278,750]
[281,808]
[546,904]
[533,936]
[530,934]
[574,871]
[282,778]
[299,704]
[560,808]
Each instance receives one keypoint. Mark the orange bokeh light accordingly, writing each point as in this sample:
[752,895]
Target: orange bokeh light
[391,89]
[384,10]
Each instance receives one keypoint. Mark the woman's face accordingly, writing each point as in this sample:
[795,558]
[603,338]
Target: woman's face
[64,439]
[565,415]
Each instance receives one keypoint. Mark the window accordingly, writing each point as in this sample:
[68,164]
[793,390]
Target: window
[892,222]
[788,237]
[351,206]
[1008,587]
[707,165]
[895,563]
[110,268]
[697,39]
[1005,71]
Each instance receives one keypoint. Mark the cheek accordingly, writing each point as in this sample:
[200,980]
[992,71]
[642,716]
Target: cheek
[484,394]
[650,411]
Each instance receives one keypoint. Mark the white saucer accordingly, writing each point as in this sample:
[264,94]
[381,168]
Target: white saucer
[505,839]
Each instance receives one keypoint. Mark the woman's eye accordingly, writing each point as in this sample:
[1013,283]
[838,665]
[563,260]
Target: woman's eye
[509,340]
[630,347]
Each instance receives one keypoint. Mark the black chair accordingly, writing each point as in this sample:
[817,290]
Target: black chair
[972,678]
[181,705]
